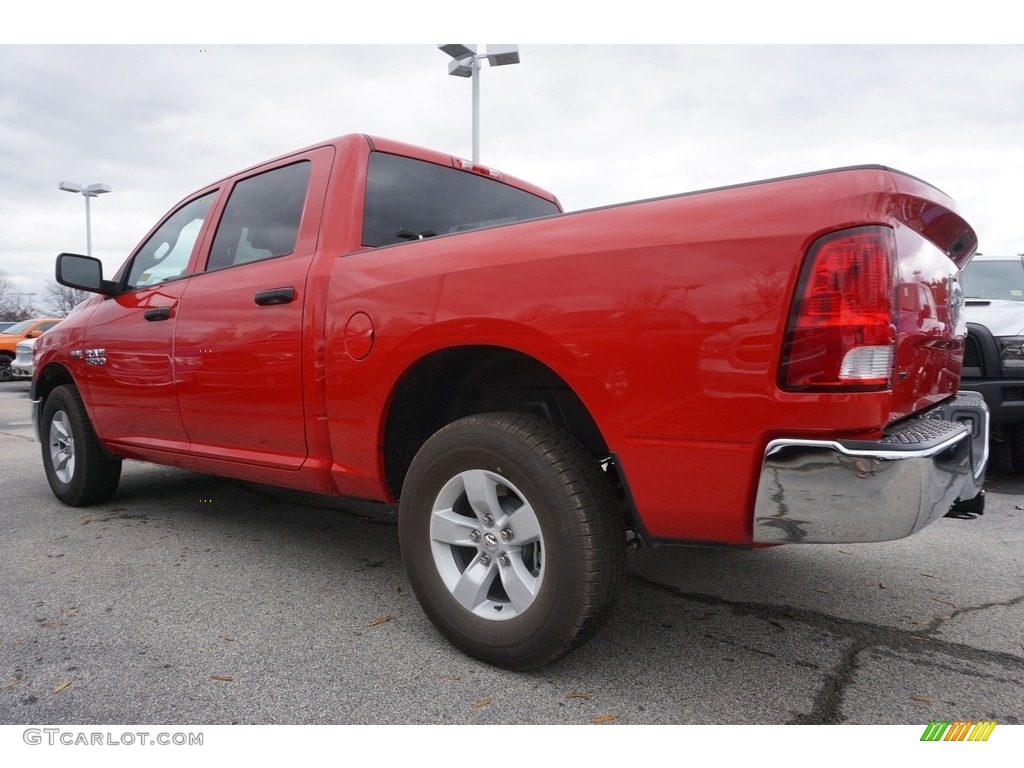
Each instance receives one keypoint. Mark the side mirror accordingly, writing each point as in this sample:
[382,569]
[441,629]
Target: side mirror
[84,273]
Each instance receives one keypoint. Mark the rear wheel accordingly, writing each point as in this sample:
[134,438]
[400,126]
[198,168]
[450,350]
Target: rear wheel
[78,470]
[512,538]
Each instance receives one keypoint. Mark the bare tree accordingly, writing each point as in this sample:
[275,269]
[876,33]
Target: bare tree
[12,307]
[63,299]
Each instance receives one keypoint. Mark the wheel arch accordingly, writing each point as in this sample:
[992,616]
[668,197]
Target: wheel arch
[44,382]
[473,379]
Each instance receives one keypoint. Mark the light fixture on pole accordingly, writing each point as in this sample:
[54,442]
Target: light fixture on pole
[93,190]
[466,62]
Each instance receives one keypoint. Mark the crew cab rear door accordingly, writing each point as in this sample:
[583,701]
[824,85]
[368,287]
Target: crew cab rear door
[239,337]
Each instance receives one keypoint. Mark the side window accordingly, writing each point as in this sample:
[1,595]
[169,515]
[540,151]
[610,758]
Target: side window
[261,218]
[166,254]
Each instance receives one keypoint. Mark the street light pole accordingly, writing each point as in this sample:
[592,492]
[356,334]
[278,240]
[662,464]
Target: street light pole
[476,110]
[466,62]
[92,190]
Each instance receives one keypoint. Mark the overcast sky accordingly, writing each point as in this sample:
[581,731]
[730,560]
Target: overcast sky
[595,124]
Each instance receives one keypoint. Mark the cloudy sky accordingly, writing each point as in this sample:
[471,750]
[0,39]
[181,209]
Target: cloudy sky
[594,123]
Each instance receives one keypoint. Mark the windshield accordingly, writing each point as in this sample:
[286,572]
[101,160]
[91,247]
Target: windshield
[994,280]
[19,328]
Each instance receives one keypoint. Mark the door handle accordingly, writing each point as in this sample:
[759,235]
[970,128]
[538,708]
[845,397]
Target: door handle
[160,313]
[275,296]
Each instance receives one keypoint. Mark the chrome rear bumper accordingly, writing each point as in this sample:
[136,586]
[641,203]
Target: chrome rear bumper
[839,491]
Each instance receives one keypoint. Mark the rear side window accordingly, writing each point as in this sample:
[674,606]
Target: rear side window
[261,218]
[410,199]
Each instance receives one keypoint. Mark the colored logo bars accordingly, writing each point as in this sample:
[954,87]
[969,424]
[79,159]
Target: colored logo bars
[958,730]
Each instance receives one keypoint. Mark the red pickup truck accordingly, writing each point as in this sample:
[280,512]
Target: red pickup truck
[536,389]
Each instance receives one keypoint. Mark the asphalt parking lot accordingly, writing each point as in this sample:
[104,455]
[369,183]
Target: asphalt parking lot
[192,600]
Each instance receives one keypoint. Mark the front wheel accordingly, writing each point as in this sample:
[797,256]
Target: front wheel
[5,368]
[78,470]
[512,538]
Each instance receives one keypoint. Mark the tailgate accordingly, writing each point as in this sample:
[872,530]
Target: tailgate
[933,242]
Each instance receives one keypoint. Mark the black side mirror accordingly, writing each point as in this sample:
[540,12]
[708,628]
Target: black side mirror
[84,273]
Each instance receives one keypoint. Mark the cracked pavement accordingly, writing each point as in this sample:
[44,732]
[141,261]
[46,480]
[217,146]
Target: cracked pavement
[192,600]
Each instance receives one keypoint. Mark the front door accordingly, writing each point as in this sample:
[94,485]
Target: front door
[128,365]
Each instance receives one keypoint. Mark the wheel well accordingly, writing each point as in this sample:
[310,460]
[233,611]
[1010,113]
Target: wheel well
[463,381]
[49,379]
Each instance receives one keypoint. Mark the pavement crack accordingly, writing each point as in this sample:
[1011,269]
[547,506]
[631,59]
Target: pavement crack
[936,623]
[827,707]
[19,437]
[859,632]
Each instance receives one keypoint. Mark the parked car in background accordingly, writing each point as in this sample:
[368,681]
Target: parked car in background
[994,351]
[9,338]
[21,368]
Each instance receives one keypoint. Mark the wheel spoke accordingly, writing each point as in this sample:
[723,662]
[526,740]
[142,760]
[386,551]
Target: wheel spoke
[520,585]
[474,584]
[58,428]
[524,524]
[449,527]
[482,493]
[60,461]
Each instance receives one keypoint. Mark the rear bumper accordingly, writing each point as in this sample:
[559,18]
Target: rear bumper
[839,491]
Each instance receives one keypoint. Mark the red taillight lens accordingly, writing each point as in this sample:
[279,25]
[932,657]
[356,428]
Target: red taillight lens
[841,331]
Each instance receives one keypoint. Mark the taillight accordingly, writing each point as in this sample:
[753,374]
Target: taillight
[842,332]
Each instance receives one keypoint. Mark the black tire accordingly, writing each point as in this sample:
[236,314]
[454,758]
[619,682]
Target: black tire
[1017,448]
[78,470]
[970,509]
[5,367]
[555,538]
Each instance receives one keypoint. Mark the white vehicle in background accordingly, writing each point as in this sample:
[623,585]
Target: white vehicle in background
[994,351]
[21,367]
